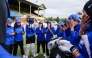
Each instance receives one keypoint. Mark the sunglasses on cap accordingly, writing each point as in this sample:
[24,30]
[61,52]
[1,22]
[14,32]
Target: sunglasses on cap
[70,18]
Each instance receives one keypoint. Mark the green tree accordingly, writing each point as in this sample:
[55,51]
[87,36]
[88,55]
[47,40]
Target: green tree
[63,19]
[57,19]
[50,18]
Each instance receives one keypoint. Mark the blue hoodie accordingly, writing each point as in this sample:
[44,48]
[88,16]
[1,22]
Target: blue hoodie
[5,54]
[48,34]
[40,34]
[19,36]
[83,51]
[81,47]
[75,40]
[59,33]
[30,31]
[72,35]
[80,56]
[67,32]
[9,38]
[89,34]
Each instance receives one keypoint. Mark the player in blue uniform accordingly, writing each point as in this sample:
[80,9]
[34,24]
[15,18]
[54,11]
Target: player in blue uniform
[50,31]
[9,36]
[30,37]
[87,22]
[18,37]
[72,31]
[83,42]
[59,29]
[5,13]
[40,31]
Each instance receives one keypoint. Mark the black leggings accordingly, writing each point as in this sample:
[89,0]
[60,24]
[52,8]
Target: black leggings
[38,46]
[47,51]
[20,43]
[30,39]
[57,53]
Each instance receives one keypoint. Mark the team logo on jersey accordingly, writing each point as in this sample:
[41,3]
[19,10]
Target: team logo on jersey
[21,29]
[12,30]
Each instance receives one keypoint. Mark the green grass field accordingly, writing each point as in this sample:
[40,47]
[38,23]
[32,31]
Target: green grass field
[40,55]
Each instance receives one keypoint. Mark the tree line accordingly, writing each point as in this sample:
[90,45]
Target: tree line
[57,19]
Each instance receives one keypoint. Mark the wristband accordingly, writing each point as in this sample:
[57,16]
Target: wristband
[73,49]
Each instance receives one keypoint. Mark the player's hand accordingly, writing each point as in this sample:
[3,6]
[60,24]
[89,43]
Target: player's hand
[23,32]
[72,24]
[12,33]
[84,21]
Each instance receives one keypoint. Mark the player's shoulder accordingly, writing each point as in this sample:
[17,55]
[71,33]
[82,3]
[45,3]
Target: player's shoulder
[52,27]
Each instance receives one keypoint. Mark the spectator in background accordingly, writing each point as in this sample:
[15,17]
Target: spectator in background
[50,31]
[13,21]
[9,36]
[44,23]
[40,31]
[35,23]
[18,38]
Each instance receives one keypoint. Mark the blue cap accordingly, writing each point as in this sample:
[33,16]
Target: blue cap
[31,20]
[60,23]
[9,20]
[18,20]
[74,17]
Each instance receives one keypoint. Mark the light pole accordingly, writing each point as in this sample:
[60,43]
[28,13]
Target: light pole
[30,10]
[19,6]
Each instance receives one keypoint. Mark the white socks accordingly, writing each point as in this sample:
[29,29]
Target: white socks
[27,50]
[32,49]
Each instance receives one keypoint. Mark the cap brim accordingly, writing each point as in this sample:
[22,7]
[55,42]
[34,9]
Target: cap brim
[59,24]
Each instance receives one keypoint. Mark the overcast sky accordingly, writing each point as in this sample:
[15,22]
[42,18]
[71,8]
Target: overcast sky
[61,8]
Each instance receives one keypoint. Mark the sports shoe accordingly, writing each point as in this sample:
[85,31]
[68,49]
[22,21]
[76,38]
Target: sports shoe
[44,54]
[24,56]
[36,54]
